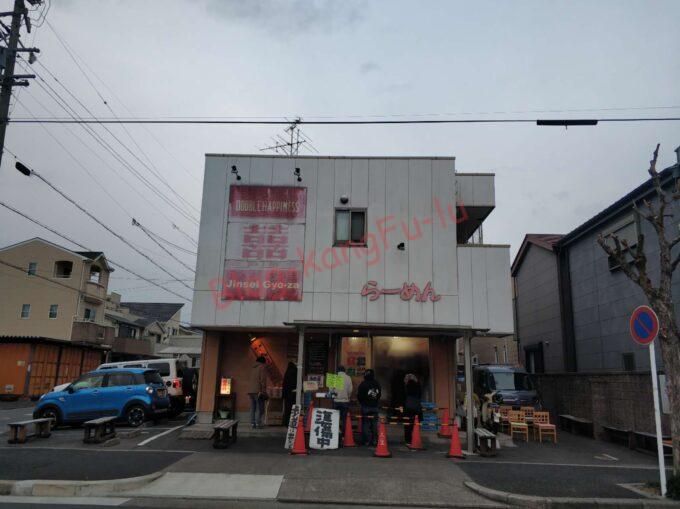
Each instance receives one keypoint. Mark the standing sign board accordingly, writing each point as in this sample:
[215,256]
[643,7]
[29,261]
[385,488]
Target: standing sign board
[292,426]
[265,231]
[644,327]
[325,430]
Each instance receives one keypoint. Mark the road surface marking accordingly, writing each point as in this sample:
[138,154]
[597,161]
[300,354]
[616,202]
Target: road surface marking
[144,442]
[606,457]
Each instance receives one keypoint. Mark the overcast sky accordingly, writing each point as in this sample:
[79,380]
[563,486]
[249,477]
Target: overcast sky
[226,58]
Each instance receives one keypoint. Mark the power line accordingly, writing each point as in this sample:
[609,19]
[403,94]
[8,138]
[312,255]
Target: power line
[54,95]
[120,142]
[103,225]
[338,122]
[148,234]
[52,230]
[76,57]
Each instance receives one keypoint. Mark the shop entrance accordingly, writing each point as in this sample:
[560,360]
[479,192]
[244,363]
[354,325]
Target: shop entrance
[392,358]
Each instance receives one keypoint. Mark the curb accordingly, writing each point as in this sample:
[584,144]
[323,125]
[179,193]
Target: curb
[513,499]
[47,488]
[378,503]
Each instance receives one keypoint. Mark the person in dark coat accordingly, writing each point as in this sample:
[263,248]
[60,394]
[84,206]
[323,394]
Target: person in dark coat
[257,390]
[288,391]
[412,404]
[368,394]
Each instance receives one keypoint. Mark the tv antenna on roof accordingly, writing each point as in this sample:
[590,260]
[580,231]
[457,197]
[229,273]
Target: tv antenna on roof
[295,139]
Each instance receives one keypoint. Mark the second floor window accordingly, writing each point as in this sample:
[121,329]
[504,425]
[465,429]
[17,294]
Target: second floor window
[350,227]
[95,275]
[32,269]
[25,310]
[63,269]
[90,314]
[54,309]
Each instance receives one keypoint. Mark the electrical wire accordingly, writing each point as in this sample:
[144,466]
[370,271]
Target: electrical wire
[55,96]
[148,234]
[74,242]
[333,122]
[107,228]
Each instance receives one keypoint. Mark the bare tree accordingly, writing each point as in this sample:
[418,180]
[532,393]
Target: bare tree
[633,263]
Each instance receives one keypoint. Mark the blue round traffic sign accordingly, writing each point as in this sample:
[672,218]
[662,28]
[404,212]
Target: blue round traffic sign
[644,325]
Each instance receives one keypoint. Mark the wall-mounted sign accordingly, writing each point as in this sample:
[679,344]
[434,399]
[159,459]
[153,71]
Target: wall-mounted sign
[225,386]
[265,230]
[407,291]
[284,203]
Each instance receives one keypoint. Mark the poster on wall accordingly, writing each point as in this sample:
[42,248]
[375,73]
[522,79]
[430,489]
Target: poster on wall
[325,429]
[266,229]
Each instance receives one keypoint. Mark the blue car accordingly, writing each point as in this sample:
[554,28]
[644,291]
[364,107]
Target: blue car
[132,395]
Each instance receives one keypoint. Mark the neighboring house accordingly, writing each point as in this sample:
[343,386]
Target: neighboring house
[135,337]
[364,262]
[493,351]
[572,310]
[51,315]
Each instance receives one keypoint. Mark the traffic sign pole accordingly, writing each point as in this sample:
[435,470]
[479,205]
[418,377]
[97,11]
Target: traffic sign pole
[657,420]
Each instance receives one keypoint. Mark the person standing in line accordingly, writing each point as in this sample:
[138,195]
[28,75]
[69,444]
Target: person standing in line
[342,396]
[257,390]
[368,394]
[412,404]
[288,391]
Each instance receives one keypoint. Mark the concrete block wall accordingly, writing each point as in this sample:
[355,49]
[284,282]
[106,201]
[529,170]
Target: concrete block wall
[622,400]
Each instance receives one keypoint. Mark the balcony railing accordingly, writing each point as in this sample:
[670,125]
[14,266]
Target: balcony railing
[91,332]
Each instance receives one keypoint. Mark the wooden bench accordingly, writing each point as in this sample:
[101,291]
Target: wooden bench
[99,430]
[486,442]
[18,431]
[576,425]
[225,433]
[643,441]
[618,435]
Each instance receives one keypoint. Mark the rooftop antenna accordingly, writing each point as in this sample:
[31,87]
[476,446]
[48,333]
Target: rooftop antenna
[290,145]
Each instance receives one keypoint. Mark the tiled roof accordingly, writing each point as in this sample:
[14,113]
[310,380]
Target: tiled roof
[153,311]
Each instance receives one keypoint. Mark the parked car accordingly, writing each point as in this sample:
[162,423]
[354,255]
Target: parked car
[172,372]
[131,395]
[508,384]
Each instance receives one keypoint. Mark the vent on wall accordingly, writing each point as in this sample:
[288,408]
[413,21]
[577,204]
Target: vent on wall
[629,361]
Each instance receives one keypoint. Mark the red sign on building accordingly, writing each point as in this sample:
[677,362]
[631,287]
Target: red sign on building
[284,203]
[266,225]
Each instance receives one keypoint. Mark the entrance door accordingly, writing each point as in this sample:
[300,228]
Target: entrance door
[394,357]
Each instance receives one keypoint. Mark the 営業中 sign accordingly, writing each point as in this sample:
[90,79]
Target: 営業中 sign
[325,429]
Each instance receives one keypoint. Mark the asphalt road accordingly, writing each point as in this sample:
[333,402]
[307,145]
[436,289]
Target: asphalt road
[68,464]
[558,480]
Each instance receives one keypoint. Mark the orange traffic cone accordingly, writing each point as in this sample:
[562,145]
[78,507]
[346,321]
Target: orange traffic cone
[382,451]
[348,439]
[308,417]
[416,441]
[455,451]
[299,446]
[445,428]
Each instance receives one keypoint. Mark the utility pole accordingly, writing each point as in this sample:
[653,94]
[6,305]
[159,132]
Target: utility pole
[9,79]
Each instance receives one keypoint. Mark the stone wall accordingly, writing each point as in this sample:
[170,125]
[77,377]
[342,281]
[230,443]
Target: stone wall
[622,400]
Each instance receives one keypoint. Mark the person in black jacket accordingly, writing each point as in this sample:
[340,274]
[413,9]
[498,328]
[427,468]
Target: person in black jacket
[412,404]
[368,394]
[288,391]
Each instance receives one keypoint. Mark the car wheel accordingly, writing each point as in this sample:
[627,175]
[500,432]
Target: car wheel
[135,416]
[51,413]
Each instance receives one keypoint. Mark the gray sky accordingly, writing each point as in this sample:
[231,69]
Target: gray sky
[256,58]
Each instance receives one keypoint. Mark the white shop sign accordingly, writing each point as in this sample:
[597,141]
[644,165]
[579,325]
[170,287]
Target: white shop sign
[325,429]
[292,426]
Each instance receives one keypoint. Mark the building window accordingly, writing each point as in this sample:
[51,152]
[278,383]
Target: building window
[32,269]
[95,275]
[505,352]
[25,310]
[53,310]
[126,331]
[629,361]
[495,355]
[63,269]
[350,227]
[90,314]
[624,230]
[475,360]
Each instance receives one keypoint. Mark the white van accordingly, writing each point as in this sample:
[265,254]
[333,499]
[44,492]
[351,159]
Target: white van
[171,370]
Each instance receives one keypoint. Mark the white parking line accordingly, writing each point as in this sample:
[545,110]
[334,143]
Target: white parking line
[144,442]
